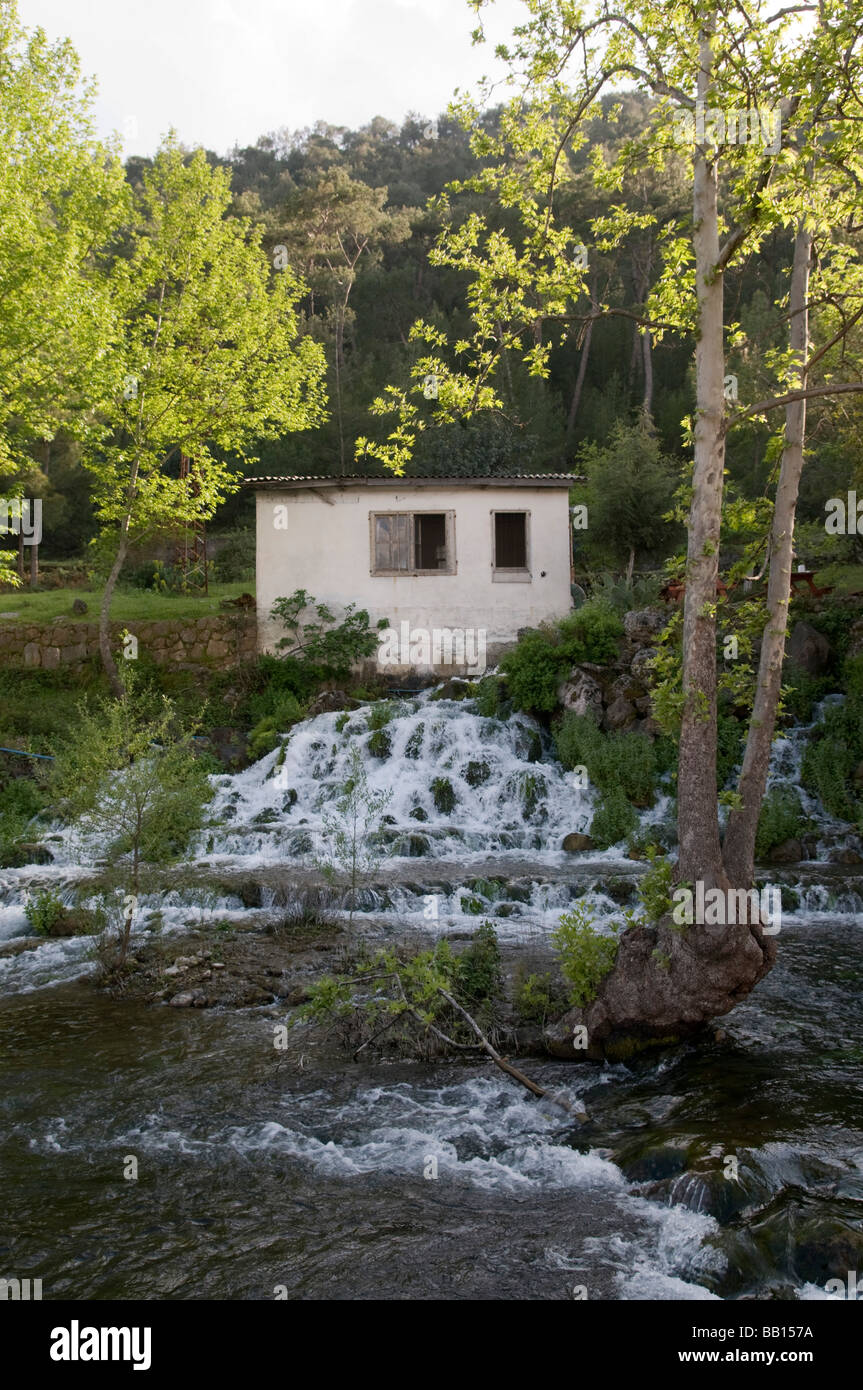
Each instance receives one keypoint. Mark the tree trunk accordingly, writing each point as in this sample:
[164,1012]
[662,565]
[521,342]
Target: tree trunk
[739,847]
[582,368]
[34,565]
[648,372]
[21,552]
[105,611]
[698,823]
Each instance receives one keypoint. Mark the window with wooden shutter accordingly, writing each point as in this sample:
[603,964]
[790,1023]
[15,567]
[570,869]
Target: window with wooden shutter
[413,542]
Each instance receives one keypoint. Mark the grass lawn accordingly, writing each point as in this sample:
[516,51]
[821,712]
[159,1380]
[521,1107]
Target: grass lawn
[127,605]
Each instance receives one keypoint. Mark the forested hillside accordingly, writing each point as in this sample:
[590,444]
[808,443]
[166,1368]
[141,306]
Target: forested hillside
[356,213]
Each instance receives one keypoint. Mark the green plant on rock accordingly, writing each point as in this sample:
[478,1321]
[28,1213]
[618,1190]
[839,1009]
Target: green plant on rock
[655,888]
[614,819]
[623,761]
[489,697]
[380,743]
[44,910]
[541,660]
[781,819]
[586,957]
[833,757]
[444,795]
[537,998]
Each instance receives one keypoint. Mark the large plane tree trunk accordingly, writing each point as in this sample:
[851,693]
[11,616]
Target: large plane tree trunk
[668,981]
[739,846]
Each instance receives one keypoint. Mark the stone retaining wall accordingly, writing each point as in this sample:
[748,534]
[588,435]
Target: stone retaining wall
[211,642]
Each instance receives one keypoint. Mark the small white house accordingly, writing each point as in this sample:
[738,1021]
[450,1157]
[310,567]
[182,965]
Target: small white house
[455,565]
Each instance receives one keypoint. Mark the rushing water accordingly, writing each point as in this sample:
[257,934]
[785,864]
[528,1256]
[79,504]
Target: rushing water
[257,1172]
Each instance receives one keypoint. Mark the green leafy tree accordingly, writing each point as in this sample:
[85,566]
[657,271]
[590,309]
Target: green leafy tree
[352,847]
[128,777]
[62,196]
[630,486]
[206,358]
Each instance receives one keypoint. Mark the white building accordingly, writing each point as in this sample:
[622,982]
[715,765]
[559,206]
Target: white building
[455,565]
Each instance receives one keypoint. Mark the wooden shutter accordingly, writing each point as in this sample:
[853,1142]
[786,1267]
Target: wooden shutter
[392,541]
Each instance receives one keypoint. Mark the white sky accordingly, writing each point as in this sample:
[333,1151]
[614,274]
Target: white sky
[226,71]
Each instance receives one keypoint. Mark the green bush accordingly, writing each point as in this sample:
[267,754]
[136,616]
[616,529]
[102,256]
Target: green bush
[479,982]
[20,800]
[622,760]
[489,697]
[537,998]
[381,714]
[614,820]
[235,559]
[44,910]
[585,956]
[781,818]
[542,659]
[730,742]
[833,754]
[654,890]
[803,692]
[443,794]
[265,736]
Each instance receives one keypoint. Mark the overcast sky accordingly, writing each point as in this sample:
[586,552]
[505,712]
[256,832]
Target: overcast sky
[224,72]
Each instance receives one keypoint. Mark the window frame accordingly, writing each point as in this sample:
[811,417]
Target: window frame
[412,571]
[511,574]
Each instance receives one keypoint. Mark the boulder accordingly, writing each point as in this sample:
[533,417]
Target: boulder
[809,649]
[642,625]
[581,694]
[79,606]
[619,715]
[789,852]
[640,666]
[845,856]
[576,843]
[328,702]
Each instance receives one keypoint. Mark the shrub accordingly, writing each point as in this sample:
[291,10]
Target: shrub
[654,890]
[833,754]
[20,800]
[315,636]
[614,820]
[235,559]
[535,667]
[443,794]
[44,911]
[537,998]
[781,819]
[585,956]
[265,736]
[479,982]
[381,714]
[624,761]
[803,692]
[489,697]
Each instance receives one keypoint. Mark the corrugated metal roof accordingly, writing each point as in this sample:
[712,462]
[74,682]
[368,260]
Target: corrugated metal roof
[487,479]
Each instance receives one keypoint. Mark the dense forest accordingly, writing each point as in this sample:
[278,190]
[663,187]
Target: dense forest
[356,214]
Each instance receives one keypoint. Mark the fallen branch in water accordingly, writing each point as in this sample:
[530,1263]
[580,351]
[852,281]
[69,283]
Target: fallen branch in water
[507,1066]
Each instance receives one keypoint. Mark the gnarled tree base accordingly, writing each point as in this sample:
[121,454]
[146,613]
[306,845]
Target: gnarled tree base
[666,984]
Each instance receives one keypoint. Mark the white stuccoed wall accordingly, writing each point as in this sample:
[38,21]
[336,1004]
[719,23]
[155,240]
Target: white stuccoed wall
[326,550]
